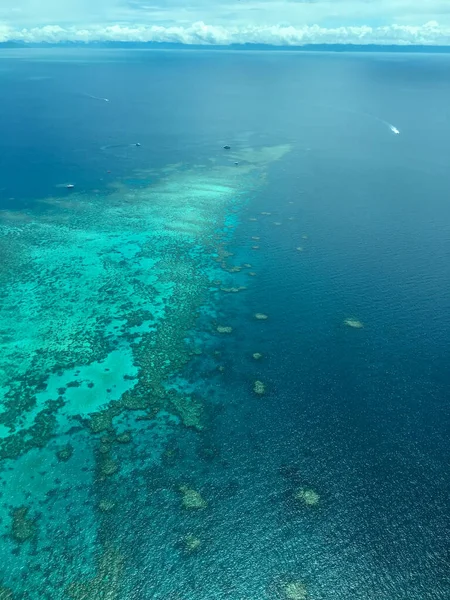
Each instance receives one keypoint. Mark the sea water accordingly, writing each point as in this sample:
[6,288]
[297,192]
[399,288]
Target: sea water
[224,372]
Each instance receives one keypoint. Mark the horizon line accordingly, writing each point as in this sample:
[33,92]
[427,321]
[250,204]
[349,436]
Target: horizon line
[244,46]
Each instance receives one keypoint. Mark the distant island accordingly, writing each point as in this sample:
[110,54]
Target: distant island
[410,49]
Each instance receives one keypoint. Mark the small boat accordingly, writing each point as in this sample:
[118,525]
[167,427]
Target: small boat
[137,144]
[70,186]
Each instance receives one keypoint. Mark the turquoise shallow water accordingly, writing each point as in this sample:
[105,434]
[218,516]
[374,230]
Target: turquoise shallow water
[224,380]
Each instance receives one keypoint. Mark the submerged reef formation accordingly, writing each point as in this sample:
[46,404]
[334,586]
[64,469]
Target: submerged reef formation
[23,527]
[106,505]
[288,587]
[189,409]
[106,584]
[307,496]
[259,388]
[192,543]
[354,323]
[101,295]
[295,590]
[191,499]
[108,466]
[65,453]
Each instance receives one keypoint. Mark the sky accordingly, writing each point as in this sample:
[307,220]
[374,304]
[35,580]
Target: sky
[277,22]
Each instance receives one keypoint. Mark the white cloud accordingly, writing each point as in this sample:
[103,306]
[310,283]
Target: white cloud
[228,21]
[200,33]
[222,12]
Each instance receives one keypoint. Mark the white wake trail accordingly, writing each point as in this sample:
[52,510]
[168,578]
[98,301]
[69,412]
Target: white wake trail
[360,113]
[393,128]
[96,97]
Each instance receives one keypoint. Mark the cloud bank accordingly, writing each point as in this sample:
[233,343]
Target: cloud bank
[430,33]
[223,22]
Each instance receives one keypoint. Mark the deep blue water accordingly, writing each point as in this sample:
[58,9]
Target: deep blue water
[359,415]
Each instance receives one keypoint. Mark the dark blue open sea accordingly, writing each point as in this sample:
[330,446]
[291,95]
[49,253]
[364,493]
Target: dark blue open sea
[224,373]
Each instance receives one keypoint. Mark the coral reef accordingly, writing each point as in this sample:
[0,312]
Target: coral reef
[287,586]
[23,528]
[106,585]
[354,323]
[259,388]
[188,408]
[224,329]
[107,465]
[104,447]
[37,436]
[191,499]
[106,505]
[307,496]
[102,421]
[191,543]
[65,453]
[295,590]
[127,274]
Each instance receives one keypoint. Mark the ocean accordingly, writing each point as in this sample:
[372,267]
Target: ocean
[224,371]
